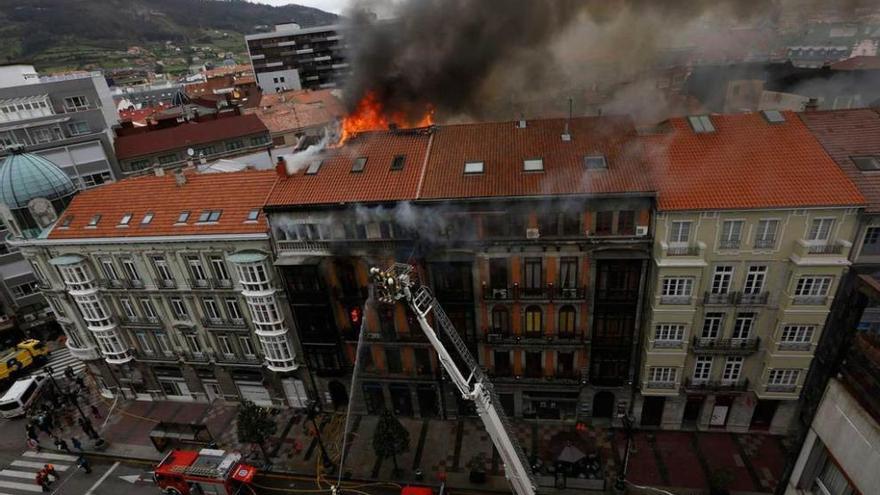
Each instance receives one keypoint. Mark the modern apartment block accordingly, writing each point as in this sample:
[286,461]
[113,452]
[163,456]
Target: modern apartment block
[754,227]
[292,58]
[534,236]
[164,285]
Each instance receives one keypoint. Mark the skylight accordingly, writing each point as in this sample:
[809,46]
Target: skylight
[183,217]
[701,124]
[773,116]
[94,221]
[533,165]
[314,167]
[65,222]
[398,162]
[147,218]
[359,164]
[473,167]
[867,163]
[125,219]
[214,215]
[253,215]
[595,162]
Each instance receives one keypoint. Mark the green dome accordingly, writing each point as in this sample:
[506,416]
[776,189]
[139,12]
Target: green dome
[25,176]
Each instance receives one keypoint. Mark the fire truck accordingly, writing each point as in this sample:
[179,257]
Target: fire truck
[206,472]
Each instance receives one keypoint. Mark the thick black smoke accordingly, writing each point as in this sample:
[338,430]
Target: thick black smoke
[474,57]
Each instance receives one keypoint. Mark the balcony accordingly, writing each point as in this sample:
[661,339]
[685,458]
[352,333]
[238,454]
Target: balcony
[821,253]
[222,283]
[677,300]
[661,385]
[740,385]
[548,292]
[667,344]
[148,321]
[809,300]
[196,357]
[535,377]
[350,293]
[722,298]
[534,339]
[729,244]
[756,299]
[224,358]
[143,355]
[683,251]
[765,243]
[121,283]
[223,323]
[84,354]
[167,284]
[781,388]
[795,346]
[199,283]
[329,247]
[726,346]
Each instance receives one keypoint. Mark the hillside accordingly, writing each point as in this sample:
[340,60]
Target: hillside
[55,34]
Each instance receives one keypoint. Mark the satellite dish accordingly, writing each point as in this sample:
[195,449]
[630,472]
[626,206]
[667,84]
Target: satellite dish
[190,152]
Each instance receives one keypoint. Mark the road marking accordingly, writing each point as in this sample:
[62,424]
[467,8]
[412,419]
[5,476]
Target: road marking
[35,465]
[47,455]
[28,475]
[30,487]
[102,478]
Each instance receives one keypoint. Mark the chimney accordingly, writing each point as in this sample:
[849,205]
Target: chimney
[521,123]
[281,167]
[160,172]
[812,105]
[179,178]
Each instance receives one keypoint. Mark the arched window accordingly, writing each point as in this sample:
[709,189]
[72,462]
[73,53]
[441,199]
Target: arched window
[534,322]
[500,320]
[567,319]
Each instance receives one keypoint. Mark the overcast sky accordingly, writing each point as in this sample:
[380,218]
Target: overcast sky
[335,6]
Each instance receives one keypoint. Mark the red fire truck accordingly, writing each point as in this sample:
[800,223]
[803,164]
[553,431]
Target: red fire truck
[206,472]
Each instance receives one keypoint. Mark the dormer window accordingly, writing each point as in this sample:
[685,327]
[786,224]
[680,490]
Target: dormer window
[869,163]
[595,162]
[94,221]
[359,164]
[147,218]
[398,162]
[125,219]
[209,216]
[65,222]
[533,165]
[314,167]
[183,217]
[701,124]
[473,167]
[773,116]
[253,215]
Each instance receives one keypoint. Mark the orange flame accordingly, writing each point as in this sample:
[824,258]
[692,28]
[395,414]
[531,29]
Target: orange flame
[370,115]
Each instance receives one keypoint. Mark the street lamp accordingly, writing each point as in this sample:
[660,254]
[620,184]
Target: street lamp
[310,414]
[58,389]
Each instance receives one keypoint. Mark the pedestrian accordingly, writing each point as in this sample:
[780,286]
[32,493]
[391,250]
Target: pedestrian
[68,373]
[60,444]
[34,444]
[42,481]
[84,464]
[50,470]
[80,382]
[95,412]
[76,443]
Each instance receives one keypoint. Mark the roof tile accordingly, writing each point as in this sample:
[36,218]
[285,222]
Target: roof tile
[188,134]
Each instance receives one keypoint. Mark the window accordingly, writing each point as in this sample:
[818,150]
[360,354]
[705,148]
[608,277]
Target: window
[742,326]
[212,311]
[772,116]
[765,235]
[210,216]
[813,286]
[179,309]
[867,163]
[662,374]
[398,162]
[234,145]
[92,180]
[567,320]
[872,241]
[677,286]
[831,480]
[820,229]
[167,159]
[93,222]
[359,164]
[164,344]
[125,219]
[721,279]
[755,279]
[626,222]
[570,222]
[148,309]
[253,215]
[784,377]
[731,234]
[183,217]
[565,364]
[218,266]
[702,369]
[233,309]
[196,269]
[144,343]
[24,289]
[797,334]
[192,341]
[534,321]
[712,325]
[669,332]
[500,320]
[595,162]
[127,307]
[568,273]
[701,124]
[392,357]
[313,167]
[78,128]
[533,273]
[259,140]
[473,167]
[604,222]
[534,361]
[732,369]
[65,222]
[74,103]
[533,165]
[225,345]
[130,269]
[139,164]
[247,347]
[680,232]
[148,217]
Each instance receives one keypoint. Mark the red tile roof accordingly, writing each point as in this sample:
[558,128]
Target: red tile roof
[235,193]
[294,110]
[747,163]
[186,135]
[848,133]
[859,62]
[336,183]
[502,147]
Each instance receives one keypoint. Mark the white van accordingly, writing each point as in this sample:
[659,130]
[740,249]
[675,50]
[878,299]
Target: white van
[20,395]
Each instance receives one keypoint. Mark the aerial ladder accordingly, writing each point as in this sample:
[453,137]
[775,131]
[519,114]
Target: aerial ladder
[398,283]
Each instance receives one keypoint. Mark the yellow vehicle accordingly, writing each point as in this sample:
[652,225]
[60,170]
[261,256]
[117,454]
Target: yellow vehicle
[26,354]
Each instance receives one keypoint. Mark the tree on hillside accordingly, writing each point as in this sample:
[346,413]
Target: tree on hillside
[390,438]
[255,425]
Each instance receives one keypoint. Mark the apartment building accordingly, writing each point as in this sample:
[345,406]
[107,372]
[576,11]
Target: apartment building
[292,57]
[754,226]
[164,285]
[181,143]
[534,236]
